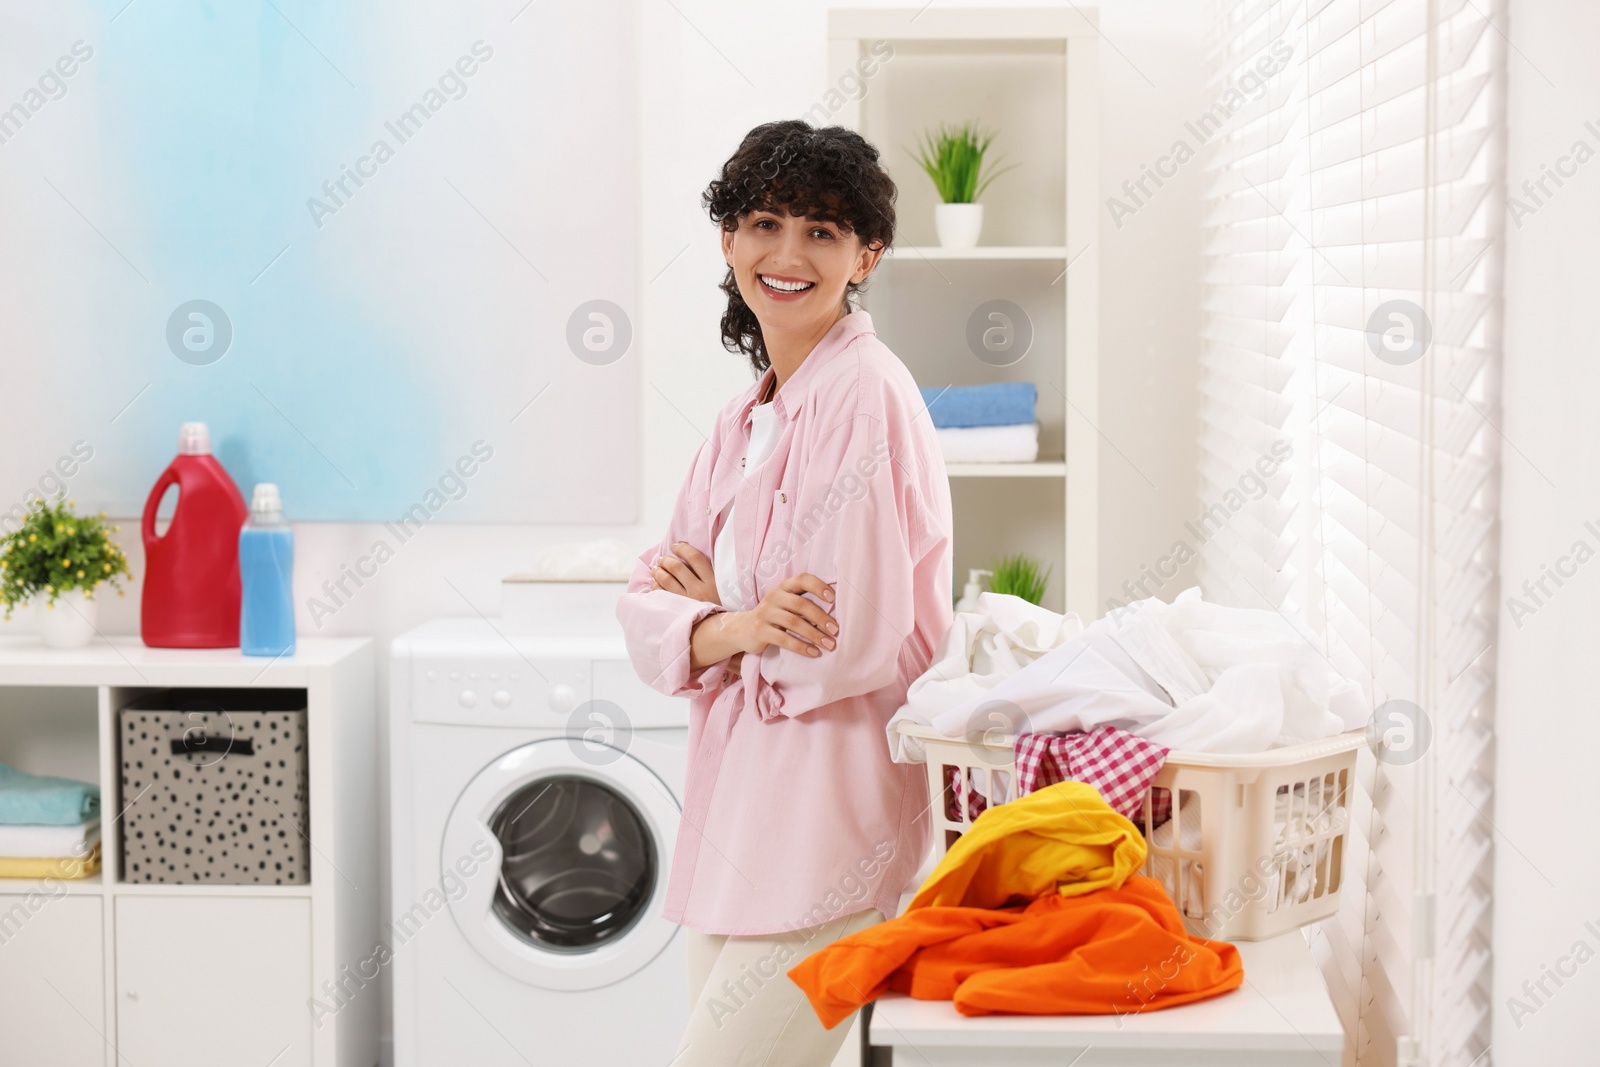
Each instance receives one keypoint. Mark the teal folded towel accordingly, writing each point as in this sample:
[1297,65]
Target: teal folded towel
[36,799]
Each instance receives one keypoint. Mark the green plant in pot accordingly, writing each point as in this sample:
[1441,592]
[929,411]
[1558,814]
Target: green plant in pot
[1019,575]
[58,560]
[954,160]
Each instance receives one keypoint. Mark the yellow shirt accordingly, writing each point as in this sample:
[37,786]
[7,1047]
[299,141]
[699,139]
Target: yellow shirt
[1062,839]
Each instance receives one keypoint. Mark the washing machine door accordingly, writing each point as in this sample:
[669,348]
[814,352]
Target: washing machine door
[562,846]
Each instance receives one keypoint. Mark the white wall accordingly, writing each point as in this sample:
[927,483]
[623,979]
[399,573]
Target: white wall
[1547,868]
[710,71]
[696,105]
[1150,74]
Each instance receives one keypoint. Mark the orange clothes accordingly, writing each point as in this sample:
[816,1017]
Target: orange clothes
[1115,950]
[1095,939]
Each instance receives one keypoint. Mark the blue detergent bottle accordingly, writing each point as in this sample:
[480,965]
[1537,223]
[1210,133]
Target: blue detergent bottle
[266,569]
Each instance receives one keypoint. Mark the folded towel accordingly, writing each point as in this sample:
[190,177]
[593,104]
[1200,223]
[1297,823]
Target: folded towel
[29,841]
[990,444]
[65,867]
[996,404]
[41,798]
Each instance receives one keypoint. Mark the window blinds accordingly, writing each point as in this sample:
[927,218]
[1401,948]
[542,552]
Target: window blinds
[1353,213]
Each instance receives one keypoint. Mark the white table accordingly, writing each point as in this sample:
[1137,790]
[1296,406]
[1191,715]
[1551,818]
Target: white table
[1281,1016]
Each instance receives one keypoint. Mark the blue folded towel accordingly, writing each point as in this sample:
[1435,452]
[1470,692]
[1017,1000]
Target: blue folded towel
[997,404]
[37,799]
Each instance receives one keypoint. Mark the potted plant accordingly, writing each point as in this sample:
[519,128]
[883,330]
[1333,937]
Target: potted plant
[1019,575]
[954,158]
[57,560]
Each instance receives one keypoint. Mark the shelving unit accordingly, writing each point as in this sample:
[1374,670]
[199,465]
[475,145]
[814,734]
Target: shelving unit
[1039,469]
[1029,75]
[101,972]
[981,252]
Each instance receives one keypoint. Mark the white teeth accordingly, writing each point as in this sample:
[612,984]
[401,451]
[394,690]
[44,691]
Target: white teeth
[786,287]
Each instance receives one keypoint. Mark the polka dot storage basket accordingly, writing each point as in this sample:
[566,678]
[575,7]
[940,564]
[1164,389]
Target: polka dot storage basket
[1254,846]
[214,788]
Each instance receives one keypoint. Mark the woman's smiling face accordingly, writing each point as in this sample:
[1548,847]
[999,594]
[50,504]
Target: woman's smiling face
[793,271]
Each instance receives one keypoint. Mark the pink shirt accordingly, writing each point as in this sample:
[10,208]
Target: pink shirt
[794,813]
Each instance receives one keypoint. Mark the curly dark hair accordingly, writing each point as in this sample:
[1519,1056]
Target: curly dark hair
[831,174]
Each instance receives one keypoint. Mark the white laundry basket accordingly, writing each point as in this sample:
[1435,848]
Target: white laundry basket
[1255,846]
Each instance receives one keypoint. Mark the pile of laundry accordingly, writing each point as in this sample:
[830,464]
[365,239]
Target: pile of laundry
[1036,911]
[49,827]
[991,423]
[1104,705]
[1187,675]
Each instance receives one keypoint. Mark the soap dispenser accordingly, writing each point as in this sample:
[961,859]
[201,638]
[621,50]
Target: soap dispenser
[266,567]
[969,595]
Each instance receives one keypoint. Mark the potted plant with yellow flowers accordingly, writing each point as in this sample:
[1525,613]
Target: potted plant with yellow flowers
[58,560]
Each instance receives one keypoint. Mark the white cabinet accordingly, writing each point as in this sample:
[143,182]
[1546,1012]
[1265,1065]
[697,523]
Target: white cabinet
[113,973]
[208,980]
[52,978]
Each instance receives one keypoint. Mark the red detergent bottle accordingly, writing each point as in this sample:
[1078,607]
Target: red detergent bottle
[191,572]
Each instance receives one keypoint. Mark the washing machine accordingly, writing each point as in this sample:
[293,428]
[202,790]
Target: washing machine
[536,786]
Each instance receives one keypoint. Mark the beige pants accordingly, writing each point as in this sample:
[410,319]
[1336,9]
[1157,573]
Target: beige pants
[744,1011]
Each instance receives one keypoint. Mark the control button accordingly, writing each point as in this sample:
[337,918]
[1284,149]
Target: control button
[468,698]
[494,676]
[455,676]
[433,676]
[562,698]
[516,677]
[502,699]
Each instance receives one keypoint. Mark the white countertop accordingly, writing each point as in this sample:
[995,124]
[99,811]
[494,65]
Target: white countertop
[1283,1006]
[128,661]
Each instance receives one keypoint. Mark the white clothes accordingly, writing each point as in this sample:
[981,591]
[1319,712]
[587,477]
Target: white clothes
[981,649]
[1189,675]
[763,439]
[38,841]
[1190,894]
[1304,834]
[1306,831]
[1017,443]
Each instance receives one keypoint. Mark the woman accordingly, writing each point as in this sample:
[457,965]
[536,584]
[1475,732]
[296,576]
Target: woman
[803,584]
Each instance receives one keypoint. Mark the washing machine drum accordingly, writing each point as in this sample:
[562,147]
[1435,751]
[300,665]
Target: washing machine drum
[578,863]
[558,852]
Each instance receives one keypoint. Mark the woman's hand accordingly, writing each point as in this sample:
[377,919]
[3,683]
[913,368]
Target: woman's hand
[784,617]
[688,573]
[787,619]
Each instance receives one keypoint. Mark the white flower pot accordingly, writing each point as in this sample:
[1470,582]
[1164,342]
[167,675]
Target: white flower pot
[958,224]
[70,623]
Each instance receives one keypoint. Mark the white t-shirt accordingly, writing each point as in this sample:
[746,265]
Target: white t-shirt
[763,438]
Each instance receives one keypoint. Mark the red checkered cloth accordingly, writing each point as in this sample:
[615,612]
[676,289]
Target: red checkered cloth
[956,783]
[1117,763]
